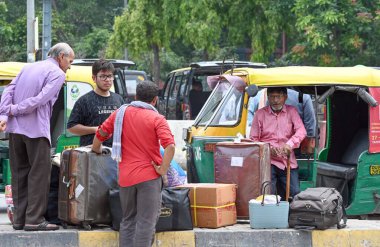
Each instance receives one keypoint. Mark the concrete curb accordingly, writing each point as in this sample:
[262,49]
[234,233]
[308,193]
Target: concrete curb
[346,238]
[59,238]
[358,234]
[241,238]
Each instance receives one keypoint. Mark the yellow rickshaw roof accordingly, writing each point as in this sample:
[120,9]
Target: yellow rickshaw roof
[310,76]
[9,70]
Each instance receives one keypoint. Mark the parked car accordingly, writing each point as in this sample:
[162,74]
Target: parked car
[119,75]
[179,100]
[132,78]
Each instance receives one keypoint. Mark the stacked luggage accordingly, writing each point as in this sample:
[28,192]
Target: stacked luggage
[85,181]
[246,164]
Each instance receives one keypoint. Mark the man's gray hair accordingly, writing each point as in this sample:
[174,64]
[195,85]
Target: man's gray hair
[58,49]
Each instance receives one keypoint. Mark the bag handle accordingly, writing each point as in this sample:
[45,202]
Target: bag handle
[305,228]
[263,187]
[344,217]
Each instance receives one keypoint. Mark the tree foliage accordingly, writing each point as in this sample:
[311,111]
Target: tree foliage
[335,33]
[85,25]
[161,35]
[142,28]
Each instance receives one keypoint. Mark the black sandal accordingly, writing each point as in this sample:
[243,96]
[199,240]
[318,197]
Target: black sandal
[18,226]
[44,226]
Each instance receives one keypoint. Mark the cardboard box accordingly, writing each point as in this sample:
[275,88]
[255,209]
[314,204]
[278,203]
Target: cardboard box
[212,205]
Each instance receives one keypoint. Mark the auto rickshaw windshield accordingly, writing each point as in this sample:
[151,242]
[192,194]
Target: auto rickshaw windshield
[223,106]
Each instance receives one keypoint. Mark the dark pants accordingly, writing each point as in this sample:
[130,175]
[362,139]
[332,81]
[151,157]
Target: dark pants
[141,206]
[30,167]
[279,181]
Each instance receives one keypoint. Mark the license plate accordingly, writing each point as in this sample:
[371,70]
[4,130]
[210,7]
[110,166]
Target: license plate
[374,170]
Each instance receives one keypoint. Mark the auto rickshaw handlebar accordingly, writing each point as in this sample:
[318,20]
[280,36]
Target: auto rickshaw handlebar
[361,92]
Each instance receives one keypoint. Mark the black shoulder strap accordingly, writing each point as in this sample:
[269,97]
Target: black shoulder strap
[300,97]
[344,217]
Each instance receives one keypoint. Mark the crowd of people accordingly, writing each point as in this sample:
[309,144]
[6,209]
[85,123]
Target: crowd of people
[135,132]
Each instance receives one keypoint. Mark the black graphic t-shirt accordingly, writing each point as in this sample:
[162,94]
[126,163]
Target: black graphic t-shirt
[91,110]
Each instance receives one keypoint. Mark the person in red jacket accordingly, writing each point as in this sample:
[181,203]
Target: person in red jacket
[138,130]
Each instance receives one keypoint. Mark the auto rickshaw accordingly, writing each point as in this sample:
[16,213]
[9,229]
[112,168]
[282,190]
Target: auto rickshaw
[350,160]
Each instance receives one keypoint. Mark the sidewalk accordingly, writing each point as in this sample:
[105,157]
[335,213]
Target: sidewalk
[358,233]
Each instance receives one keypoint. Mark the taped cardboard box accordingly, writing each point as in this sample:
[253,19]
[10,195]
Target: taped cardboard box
[212,205]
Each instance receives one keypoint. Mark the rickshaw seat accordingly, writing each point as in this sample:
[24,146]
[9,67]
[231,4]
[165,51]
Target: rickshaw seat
[343,171]
[346,169]
[341,175]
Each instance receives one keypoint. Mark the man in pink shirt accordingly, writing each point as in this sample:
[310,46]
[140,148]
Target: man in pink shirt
[141,165]
[281,126]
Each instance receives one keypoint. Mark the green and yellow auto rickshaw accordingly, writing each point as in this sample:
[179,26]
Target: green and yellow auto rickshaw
[350,160]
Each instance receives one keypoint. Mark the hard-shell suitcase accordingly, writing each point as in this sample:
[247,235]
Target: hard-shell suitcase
[85,179]
[246,164]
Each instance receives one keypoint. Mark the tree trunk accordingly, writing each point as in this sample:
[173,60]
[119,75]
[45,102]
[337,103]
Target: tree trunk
[205,55]
[156,64]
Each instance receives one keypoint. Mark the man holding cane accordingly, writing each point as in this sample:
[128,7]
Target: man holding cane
[281,126]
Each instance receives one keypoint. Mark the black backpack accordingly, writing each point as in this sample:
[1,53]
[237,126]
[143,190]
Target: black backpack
[317,208]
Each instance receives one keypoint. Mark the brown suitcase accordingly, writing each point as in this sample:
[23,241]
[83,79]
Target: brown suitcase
[85,179]
[246,164]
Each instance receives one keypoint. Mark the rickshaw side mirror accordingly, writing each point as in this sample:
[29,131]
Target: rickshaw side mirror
[252,90]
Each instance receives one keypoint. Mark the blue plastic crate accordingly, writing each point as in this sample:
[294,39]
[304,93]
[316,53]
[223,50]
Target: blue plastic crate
[269,215]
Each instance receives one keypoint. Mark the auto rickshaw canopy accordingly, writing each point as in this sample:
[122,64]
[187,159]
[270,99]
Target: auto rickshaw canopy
[311,76]
[9,70]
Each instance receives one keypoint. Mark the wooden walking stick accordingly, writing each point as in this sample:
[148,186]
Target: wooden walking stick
[287,179]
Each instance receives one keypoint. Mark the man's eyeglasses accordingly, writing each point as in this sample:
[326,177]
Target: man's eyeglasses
[104,77]
[273,97]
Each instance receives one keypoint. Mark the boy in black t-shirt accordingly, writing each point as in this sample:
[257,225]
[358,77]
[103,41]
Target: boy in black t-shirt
[93,108]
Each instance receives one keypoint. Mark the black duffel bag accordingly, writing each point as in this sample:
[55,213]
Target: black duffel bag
[175,210]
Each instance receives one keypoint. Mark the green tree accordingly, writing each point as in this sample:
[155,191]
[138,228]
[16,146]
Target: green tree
[200,24]
[93,45]
[259,24]
[12,34]
[142,28]
[78,23]
[335,33]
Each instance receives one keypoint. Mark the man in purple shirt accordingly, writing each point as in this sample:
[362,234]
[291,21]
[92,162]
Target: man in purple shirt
[25,111]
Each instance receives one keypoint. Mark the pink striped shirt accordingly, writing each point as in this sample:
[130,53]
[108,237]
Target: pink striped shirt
[286,127]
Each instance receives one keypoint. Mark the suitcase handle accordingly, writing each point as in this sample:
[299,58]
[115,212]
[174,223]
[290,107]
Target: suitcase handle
[263,186]
[68,183]
[71,188]
[306,220]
